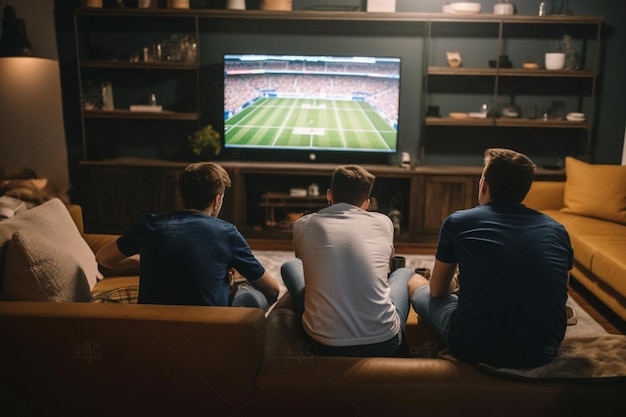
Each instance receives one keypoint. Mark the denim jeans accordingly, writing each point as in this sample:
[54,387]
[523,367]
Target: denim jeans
[248,296]
[434,311]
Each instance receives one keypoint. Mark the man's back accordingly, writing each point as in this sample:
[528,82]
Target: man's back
[345,253]
[514,265]
[186,256]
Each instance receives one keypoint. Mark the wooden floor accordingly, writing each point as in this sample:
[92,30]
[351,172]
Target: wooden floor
[595,308]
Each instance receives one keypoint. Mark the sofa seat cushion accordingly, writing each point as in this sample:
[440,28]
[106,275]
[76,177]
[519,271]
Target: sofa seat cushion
[111,283]
[44,257]
[585,232]
[599,246]
[609,263]
[582,225]
[116,290]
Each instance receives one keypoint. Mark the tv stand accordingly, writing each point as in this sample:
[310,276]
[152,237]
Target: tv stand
[260,193]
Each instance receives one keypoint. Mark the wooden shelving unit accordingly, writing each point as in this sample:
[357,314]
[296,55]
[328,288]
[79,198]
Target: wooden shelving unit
[149,184]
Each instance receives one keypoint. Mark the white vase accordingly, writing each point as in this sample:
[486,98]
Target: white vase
[236,4]
[555,60]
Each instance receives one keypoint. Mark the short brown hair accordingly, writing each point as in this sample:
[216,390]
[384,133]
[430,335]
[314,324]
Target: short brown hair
[351,184]
[200,183]
[509,174]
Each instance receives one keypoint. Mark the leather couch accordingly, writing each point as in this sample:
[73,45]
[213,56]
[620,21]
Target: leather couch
[125,359]
[599,245]
[130,359]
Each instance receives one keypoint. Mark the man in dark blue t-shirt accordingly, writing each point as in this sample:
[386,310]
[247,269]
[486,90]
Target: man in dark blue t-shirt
[513,269]
[187,257]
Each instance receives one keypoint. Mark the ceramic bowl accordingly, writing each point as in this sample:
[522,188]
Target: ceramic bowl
[465,7]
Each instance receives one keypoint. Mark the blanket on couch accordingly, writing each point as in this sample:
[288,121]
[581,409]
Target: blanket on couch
[580,359]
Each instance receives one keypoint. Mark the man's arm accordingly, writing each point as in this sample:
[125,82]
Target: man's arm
[110,257]
[441,277]
[268,286]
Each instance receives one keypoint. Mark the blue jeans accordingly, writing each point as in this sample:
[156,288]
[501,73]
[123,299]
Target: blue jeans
[435,311]
[293,277]
[248,296]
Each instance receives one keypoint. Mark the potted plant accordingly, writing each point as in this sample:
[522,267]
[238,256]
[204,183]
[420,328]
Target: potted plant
[206,142]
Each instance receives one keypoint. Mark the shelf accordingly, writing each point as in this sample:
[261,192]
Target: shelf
[508,72]
[338,15]
[506,122]
[449,121]
[521,122]
[127,114]
[522,72]
[462,71]
[165,65]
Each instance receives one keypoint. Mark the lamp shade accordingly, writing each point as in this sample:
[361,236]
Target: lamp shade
[14,41]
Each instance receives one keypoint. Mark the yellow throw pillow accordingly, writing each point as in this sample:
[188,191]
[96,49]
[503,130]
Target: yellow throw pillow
[595,190]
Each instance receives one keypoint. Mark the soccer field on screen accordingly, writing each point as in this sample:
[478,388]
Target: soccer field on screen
[295,123]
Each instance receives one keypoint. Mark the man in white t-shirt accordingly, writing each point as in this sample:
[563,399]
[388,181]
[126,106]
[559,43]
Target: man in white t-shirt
[353,307]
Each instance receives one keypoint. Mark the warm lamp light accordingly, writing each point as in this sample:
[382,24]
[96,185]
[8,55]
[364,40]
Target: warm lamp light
[14,41]
[32,130]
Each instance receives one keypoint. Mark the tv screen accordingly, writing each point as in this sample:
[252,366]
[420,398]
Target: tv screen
[313,104]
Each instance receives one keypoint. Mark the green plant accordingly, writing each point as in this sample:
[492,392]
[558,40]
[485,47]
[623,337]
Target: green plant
[205,140]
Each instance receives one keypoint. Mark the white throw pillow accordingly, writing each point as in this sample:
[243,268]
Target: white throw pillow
[46,257]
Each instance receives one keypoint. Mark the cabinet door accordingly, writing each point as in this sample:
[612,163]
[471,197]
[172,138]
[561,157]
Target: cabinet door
[444,195]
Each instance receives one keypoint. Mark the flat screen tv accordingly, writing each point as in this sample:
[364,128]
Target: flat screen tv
[325,108]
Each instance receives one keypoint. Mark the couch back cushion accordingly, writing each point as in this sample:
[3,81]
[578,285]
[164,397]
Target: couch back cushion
[43,256]
[595,190]
[128,359]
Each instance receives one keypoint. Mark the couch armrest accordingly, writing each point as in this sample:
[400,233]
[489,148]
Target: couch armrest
[76,212]
[95,242]
[545,195]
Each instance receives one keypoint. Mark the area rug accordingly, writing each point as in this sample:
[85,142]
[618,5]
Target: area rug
[580,359]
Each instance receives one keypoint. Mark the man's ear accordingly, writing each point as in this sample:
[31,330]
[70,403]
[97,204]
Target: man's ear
[329,196]
[484,195]
[366,204]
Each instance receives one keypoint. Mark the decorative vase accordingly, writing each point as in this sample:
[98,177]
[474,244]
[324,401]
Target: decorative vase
[236,4]
[178,4]
[276,4]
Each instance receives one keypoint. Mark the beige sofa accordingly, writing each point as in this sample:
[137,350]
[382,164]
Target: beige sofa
[591,204]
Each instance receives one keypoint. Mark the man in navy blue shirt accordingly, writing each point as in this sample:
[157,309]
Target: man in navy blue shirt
[187,257]
[513,269]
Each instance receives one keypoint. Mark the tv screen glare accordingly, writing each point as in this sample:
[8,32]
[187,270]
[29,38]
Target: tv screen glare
[315,104]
